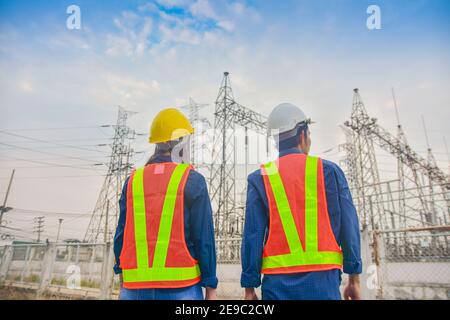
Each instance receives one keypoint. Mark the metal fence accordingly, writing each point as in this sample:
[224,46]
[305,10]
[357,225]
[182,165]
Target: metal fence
[228,250]
[70,269]
[410,264]
[398,264]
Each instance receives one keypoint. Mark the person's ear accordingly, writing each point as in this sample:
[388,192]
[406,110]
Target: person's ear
[301,138]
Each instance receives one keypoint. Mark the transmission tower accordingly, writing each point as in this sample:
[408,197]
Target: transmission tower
[106,211]
[400,203]
[39,227]
[201,125]
[228,115]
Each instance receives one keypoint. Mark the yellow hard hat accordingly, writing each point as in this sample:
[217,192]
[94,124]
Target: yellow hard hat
[169,124]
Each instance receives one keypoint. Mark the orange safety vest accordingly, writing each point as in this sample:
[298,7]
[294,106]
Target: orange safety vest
[154,252]
[300,237]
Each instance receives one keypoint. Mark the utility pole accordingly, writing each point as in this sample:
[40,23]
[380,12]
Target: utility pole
[39,226]
[59,228]
[448,154]
[3,208]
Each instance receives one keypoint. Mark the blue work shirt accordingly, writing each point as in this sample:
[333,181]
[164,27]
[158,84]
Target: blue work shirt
[305,285]
[198,225]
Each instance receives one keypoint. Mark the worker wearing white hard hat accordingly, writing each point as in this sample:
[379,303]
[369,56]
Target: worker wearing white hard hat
[287,122]
[301,228]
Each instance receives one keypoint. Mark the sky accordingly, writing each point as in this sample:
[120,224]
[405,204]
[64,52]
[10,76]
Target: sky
[58,86]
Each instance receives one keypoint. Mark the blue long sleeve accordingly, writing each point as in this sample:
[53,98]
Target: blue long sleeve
[118,237]
[349,236]
[199,228]
[256,223]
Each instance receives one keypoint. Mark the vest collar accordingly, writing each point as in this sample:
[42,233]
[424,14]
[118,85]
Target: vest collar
[289,151]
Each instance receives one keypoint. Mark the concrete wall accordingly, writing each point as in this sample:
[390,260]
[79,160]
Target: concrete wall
[230,282]
[416,280]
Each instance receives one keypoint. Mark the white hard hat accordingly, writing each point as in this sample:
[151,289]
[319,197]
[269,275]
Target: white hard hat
[285,117]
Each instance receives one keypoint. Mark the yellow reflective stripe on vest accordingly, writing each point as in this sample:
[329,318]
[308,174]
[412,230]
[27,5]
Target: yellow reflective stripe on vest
[165,224]
[310,254]
[311,226]
[158,271]
[287,220]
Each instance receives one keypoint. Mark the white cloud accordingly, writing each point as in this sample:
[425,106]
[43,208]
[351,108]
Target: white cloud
[133,39]
[193,29]
[119,46]
[240,10]
[179,35]
[172,3]
[26,86]
[130,87]
[226,25]
[202,9]
[148,7]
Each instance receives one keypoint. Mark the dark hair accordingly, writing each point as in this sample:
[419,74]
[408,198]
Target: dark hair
[293,141]
[162,148]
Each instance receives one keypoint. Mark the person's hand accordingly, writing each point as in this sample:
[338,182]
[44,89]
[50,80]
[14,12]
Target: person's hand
[210,294]
[121,279]
[250,294]
[352,290]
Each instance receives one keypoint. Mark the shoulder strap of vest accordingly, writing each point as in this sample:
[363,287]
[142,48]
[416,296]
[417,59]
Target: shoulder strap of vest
[271,170]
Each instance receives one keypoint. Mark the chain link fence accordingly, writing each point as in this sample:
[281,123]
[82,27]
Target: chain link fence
[398,264]
[84,270]
[229,268]
[77,270]
[412,264]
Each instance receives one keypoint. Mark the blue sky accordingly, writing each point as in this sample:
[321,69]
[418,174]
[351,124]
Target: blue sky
[146,55]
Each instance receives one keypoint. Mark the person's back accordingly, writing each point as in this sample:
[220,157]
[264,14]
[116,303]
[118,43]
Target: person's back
[299,215]
[164,243]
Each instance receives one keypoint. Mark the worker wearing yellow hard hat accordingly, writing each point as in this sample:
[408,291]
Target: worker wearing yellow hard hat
[169,124]
[174,256]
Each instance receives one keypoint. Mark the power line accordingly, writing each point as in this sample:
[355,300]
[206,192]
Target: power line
[44,152]
[37,167]
[50,212]
[59,140]
[96,158]
[45,141]
[61,128]
[56,177]
[58,147]
[49,163]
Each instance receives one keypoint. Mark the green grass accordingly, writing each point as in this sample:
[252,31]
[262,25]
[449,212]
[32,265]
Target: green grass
[58,281]
[33,278]
[89,284]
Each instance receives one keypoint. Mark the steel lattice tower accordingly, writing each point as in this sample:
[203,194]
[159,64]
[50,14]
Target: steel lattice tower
[228,115]
[106,212]
[410,200]
[201,124]
[366,174]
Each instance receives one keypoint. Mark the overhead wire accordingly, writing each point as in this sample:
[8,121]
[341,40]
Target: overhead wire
[43,152]
[50,163]
[46,141]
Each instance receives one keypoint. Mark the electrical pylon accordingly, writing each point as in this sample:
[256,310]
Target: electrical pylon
[367,180]
[401,203]
[228,115]
[201,125]
[106,212]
